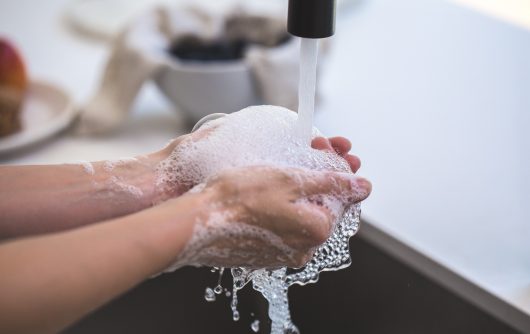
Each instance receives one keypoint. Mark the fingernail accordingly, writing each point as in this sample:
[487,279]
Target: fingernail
[364,184]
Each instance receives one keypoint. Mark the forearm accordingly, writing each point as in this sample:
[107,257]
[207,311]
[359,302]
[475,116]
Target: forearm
[50,281]
[39,199]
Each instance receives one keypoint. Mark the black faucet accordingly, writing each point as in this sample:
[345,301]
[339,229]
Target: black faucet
[311,18]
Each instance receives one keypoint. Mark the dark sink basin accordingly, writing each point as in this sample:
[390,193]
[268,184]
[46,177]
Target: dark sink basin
[377,294]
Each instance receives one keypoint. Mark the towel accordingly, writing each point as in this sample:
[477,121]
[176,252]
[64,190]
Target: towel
[140,52]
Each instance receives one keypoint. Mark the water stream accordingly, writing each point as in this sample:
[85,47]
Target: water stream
[307,86]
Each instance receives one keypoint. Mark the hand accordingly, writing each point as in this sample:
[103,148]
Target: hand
[266,216]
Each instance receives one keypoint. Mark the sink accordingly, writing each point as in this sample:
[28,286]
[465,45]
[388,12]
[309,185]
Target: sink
[376,294]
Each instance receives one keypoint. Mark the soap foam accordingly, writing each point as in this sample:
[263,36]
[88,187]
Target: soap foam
[118,184]
[88,167]
[261,135]
[202,248]
[109,165]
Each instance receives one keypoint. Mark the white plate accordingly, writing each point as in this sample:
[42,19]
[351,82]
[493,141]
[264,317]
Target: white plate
[46,111]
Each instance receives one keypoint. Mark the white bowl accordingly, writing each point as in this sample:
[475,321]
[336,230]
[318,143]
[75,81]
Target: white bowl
[203,88]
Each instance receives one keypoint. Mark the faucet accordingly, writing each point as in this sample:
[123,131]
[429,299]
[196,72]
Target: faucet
[311,18]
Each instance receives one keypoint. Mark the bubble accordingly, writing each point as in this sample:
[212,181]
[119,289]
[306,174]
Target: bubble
[88,167]
[218,290]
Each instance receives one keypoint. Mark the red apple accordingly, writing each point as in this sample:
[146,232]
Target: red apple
[13,83]
[12,69]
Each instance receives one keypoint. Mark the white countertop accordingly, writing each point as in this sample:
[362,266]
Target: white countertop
[435,97]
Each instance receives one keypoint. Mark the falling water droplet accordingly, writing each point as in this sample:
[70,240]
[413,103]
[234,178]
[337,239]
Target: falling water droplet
[236,315]
[255,326]
[209,295]
[218,289]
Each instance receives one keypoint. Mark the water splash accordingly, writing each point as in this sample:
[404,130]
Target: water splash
[273,284]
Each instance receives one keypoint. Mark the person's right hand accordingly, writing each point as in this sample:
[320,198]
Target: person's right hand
[269,217]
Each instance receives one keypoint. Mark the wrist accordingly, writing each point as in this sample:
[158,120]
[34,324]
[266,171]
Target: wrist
[166,186]
[137,182]
[129,183]
[172,225]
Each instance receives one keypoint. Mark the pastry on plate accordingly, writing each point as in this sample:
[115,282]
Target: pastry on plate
[13,85]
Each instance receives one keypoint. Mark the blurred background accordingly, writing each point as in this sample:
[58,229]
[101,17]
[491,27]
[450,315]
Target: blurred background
[434,94]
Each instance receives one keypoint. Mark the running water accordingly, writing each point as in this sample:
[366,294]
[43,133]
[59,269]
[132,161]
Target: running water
[307,87]
[332,255]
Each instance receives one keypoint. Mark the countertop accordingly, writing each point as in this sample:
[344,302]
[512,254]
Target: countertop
[435,97]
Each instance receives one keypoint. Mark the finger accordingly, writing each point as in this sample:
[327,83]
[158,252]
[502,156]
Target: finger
[347,187]
[322,144]
[340,144]
[353,161]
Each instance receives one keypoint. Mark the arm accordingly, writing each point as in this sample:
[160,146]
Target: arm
[40,199]
[52,198]
[50,281]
